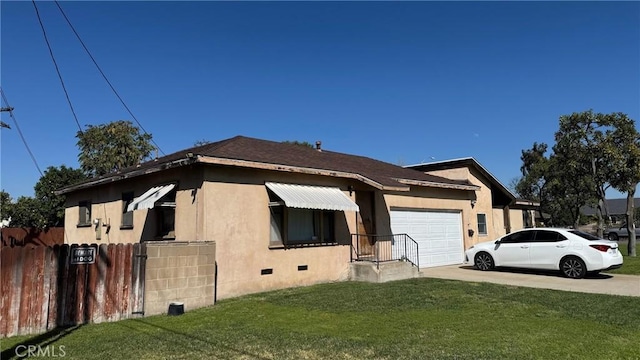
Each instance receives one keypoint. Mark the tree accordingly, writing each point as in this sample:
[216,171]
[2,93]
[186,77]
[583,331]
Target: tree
[592,152]
[533,169]
[26,212]
[52,205]
[46,209]
[5,205]
[580,145]
[542,180]
[110,147]
[622,151]
[301,143]
[566,190]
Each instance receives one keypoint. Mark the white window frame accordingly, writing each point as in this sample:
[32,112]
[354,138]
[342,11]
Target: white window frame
[482,222]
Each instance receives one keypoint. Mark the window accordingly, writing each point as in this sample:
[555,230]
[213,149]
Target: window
[84,213]
[305,214]
[482,224]
[127,216]
[549,236]
[165,210]
[291,226]
[518,237]
[277,223]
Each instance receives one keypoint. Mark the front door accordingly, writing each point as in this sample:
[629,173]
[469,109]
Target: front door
[366,222]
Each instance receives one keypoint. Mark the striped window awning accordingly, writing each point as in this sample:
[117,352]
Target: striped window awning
[312,197]
[149,198]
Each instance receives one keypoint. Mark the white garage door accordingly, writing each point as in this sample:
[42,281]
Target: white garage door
[438,234]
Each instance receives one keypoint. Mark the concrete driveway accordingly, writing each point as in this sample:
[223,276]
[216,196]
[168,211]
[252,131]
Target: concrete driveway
[627,285]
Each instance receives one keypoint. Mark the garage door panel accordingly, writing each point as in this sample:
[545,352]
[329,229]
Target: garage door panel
[438,234]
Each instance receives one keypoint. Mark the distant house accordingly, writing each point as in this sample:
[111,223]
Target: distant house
[617,209]
[496,210]
[285,215]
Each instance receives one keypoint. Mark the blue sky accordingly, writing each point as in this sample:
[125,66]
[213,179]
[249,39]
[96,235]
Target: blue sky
[402,82]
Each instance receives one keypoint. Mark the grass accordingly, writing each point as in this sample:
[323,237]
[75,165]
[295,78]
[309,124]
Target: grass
[410,319]
[631,265]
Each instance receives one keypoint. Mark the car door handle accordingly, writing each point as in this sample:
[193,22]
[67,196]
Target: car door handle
[561,246]
[524,246]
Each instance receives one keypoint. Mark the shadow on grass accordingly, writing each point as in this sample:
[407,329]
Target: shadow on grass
[192,337]
[550,273]
[40,341]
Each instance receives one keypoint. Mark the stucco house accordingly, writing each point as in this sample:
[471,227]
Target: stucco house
[496,211]
[281,214]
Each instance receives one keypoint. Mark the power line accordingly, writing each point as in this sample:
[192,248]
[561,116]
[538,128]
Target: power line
[46,39]
[15,122]
[104,76]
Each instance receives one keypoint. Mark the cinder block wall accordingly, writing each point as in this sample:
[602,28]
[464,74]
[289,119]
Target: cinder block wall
[179,272]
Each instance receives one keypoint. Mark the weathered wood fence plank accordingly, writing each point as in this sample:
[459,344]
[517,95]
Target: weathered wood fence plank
[41,289]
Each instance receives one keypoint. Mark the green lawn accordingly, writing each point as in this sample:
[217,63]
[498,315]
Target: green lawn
[411,319]
[631,265]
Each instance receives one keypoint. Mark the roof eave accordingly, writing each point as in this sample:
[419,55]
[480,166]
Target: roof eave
[470,161]
[124,175]
[438,184]
[239,163]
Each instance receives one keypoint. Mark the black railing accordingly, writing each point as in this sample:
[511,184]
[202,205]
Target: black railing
[383,248]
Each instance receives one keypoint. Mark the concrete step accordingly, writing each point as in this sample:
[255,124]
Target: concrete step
[386,271]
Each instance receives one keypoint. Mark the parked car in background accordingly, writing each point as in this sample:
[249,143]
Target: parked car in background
[615,233]
[574,253]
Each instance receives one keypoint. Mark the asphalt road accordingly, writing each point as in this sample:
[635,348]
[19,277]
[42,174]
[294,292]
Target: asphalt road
[627,285]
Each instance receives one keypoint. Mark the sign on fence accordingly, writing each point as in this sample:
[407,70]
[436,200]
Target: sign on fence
[83,255]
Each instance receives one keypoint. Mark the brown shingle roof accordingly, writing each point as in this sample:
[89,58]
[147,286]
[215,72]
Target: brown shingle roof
[245,149]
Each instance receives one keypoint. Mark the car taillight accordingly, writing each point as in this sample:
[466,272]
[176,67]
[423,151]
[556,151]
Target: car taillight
[603,248]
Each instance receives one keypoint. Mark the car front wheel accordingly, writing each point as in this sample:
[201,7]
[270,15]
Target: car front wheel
[483,261]
[573,267]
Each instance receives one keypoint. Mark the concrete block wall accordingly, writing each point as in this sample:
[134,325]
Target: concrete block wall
[179,272]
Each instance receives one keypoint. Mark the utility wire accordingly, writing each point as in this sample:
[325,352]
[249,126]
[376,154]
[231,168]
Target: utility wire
[15,122]
[46,39]
[104,76]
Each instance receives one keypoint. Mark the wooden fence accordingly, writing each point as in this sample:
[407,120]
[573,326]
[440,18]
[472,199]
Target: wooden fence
[42,288]
[26,236]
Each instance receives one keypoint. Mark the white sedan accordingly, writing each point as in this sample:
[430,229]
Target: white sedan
[574,253]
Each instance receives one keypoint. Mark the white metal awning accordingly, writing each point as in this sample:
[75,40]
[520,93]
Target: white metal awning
[149,198]
[312,197]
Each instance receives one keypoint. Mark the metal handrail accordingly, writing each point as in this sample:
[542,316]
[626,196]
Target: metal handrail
[384,248]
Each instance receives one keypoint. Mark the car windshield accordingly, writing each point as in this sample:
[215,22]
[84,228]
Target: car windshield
[584,235]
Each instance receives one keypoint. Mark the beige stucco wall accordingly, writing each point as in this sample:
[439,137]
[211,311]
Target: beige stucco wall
[238,219]
[499,227]
[106,204]
[517,220]
[179,272]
